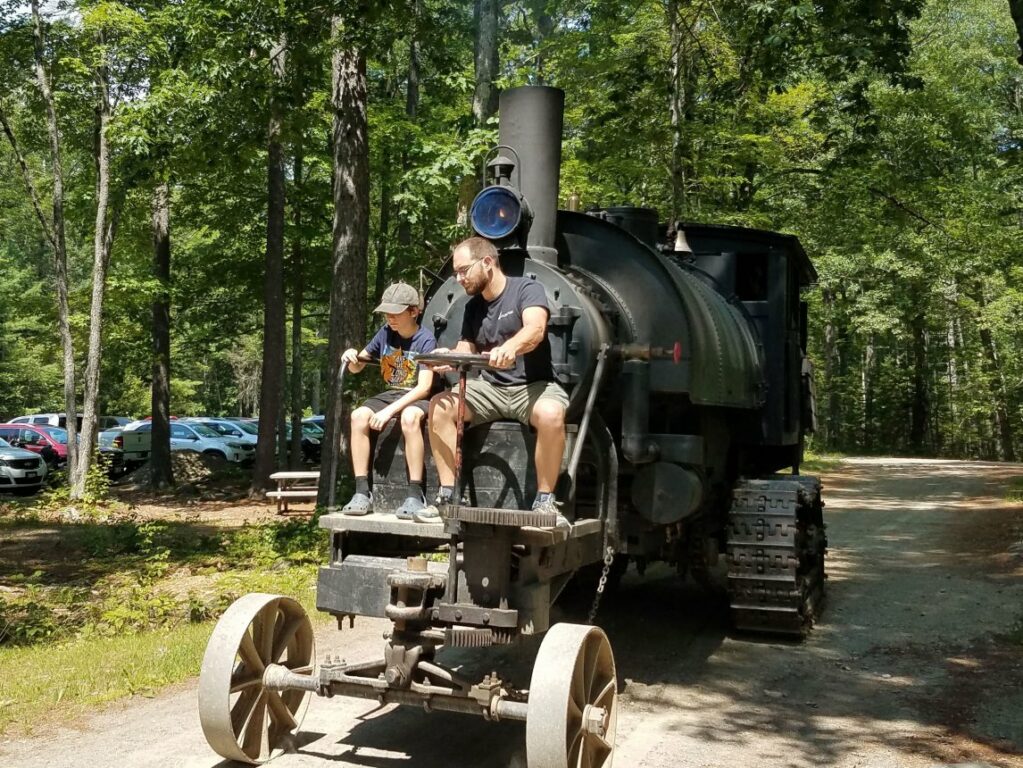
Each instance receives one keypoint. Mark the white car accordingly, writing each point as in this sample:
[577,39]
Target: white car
[202,439]
[21,472]
[243,431]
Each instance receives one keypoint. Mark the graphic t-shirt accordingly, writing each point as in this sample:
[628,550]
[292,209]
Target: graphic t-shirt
[397,355]
[488,324]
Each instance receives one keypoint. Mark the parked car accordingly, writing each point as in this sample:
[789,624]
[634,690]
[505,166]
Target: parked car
[311,437]
[60,420]
[320,422]
[239,430]
[51,444]
[203,439]
[38,440]
[21,472]
[135,445]
[311,442]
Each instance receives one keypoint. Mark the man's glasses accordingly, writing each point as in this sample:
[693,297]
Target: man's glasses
[461,274]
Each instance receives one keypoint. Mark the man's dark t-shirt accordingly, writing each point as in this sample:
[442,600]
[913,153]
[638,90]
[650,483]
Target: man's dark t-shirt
[488,324]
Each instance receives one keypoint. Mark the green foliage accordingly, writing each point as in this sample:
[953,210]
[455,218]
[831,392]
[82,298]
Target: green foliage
[1015,489]
[294,541]
[92,503]
[135,608]
[141,560]
[44,682]
[27,619]
[885,135]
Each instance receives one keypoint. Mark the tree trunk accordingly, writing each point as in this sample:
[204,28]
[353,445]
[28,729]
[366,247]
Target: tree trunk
[296,319]
[282,416]
[59,242]
[383,231]
[314,391]
[956,444]
[161,470]
[102,243]
[411,112]
[867,378]
[273,286]
[1016,9]
[920,409]
[543,24]
[1004,433]
[681,110]
[350,149]
[833,418]
[484,97]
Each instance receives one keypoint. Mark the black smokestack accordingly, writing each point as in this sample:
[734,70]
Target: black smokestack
[531,122]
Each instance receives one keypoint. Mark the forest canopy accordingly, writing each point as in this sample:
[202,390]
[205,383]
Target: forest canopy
[885,135]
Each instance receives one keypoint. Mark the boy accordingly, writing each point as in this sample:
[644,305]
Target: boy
[395,345]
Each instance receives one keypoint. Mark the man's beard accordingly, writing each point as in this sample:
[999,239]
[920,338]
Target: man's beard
[476,286]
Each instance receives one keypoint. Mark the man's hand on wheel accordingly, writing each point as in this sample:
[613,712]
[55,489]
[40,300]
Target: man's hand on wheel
[502,357]
[439,367]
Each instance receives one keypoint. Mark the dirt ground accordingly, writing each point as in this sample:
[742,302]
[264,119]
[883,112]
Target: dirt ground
[917,660]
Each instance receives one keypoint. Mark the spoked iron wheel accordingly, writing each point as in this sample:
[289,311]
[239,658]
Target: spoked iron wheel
[241,719]
[573,700]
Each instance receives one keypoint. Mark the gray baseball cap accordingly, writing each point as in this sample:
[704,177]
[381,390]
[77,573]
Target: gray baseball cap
[397,298]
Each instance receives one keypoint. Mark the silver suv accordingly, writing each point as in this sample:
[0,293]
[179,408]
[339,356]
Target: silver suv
[21,472]
[202,439]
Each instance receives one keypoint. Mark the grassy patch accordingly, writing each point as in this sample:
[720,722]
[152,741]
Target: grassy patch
[63,680]
[814,462]
[1015,490]
[109,605]
[49,681]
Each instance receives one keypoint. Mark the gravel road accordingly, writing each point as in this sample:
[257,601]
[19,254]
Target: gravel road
[918,660]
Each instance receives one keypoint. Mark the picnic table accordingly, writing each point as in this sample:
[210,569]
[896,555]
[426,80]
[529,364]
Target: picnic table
[293,485]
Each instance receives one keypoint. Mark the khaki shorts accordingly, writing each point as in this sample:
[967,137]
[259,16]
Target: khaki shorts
[490,402]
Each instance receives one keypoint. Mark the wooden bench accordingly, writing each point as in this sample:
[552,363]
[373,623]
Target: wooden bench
[293,485]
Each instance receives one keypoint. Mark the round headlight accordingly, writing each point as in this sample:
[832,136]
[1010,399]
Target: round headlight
[496,213]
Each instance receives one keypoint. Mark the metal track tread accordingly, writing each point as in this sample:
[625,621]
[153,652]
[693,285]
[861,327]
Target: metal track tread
[776,551]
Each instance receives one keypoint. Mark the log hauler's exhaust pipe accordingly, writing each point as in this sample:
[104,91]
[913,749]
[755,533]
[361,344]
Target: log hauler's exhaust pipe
[520,207]
[532,118]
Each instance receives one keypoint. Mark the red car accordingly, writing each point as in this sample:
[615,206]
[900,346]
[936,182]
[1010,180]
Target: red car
[51,444]
[48,442]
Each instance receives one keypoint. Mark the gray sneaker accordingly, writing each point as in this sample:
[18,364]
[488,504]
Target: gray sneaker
[552,506]
[431,514]
[409,507]
[360,504]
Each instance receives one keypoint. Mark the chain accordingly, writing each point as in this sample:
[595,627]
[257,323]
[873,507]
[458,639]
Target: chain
[609,558]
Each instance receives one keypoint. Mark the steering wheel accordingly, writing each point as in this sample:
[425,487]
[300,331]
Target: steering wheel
[455,359]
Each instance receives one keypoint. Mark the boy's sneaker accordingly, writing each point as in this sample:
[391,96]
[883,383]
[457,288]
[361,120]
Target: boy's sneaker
[431,514]
[550,505]
[360,504]
[409,507]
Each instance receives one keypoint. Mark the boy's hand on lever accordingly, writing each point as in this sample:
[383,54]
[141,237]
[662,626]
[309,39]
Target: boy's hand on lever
[351,356]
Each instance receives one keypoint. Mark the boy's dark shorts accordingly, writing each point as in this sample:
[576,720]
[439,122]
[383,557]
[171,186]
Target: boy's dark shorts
[378,402]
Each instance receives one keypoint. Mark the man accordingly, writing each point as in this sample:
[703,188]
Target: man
[408,384]
[506,317]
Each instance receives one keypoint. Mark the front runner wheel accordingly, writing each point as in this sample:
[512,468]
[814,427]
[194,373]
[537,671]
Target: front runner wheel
[241,719]
[573,700]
